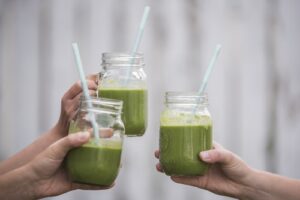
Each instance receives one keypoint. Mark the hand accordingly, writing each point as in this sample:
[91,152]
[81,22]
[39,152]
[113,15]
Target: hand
[44,176]
[71,100]
[49,177]
[228,175]
[69,105]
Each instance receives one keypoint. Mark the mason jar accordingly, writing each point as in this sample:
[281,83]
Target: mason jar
[185,131]
[123,78]
[97,161]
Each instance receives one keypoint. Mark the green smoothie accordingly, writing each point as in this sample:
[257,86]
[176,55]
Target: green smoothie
[135,110]
[181,144]
[94,163]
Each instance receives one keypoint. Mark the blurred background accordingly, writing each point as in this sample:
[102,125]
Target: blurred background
[254,90]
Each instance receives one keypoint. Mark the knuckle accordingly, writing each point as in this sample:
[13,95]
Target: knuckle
[69,139]
[52,152]
[91,84]
[63,99]
[77,86]
[229,156]
[217,155]
[69,111]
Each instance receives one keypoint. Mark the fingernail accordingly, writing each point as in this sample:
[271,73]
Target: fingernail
[83,135]
[205,155]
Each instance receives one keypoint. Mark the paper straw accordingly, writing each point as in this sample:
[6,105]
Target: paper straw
[85,89]
[138,39]
[209,69]
[139,36]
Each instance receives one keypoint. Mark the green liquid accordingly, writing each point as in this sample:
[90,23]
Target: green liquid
[180,147]
[93,163]
[135,110]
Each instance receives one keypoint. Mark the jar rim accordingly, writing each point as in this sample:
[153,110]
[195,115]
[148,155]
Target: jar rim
[185,93]
[186,97]
[122,59]
[123,54]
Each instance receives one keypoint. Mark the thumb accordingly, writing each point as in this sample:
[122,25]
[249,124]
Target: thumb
[59,149]
[222,156]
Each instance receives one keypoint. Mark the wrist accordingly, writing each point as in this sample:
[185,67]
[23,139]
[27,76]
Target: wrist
[17,184]
[253,188]
[30,183]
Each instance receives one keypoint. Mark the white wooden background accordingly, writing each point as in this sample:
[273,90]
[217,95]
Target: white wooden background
[254,91]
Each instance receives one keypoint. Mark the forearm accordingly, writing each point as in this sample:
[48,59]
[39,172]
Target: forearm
[27,154]
[268,186]
[16,184]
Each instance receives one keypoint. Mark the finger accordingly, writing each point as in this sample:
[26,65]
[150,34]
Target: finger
[197,181]
[217,145]
[73,114]
[93,77]
[159,167]
[217,156]
[156,154]
[71,106]
[103,133]
[92,85]
[92,93]
[59,149]
[76,88]
[73,90]
[74,103]
[193,181]
[106,133]
[79,96]
[90,187]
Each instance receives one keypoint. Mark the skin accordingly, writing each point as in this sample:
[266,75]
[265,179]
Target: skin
[231,176]
[44,176]
[69,105]
[36,171]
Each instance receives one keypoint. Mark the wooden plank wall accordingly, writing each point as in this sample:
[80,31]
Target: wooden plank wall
[254,91]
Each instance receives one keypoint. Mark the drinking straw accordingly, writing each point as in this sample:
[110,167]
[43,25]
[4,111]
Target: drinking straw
[209,69]
[138,38]
[85,90]
[208,73]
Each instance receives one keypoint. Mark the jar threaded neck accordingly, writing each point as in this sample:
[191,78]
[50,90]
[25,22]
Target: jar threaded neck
[115,60]
[187,98]
[101,105]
